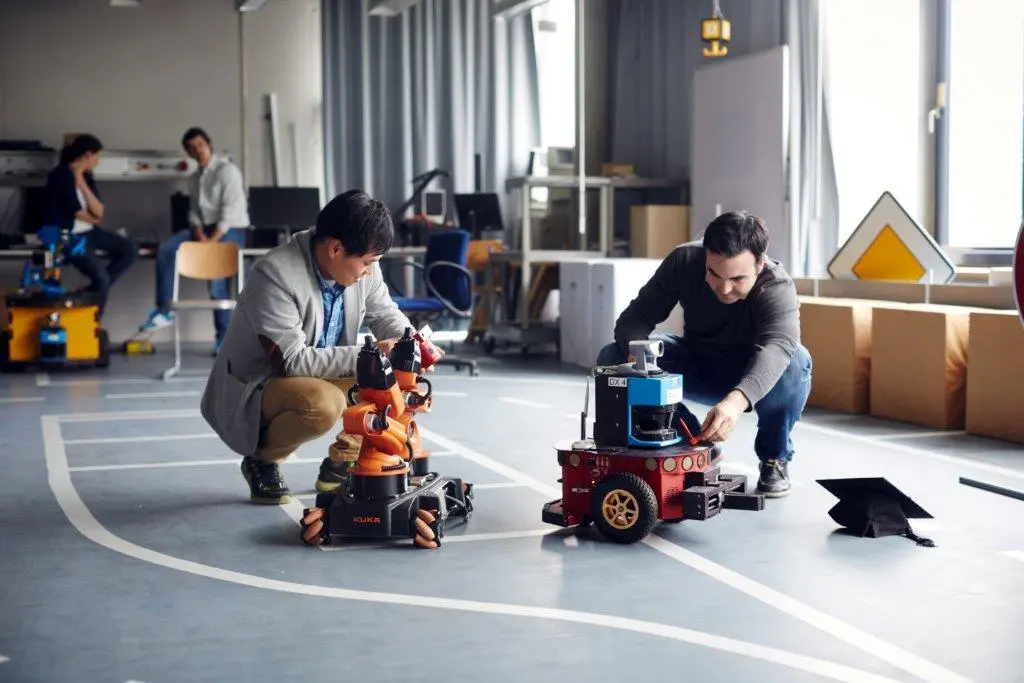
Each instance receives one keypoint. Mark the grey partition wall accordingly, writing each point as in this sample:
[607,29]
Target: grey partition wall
[740,143]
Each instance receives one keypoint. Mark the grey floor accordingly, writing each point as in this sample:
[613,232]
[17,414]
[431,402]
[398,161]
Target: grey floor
[129,552]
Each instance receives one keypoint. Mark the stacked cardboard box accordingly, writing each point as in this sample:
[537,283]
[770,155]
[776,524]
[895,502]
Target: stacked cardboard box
[995,376]
[656,229]
[919,363]
[837,333]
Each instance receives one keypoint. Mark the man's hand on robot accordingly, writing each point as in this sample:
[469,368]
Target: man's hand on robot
[385,345]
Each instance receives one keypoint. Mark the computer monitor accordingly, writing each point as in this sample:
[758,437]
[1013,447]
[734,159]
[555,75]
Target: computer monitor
[434,205]
[290,208]
[479,212]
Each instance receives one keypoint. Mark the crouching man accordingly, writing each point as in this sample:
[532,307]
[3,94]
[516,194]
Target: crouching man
[740,349]
[289,355]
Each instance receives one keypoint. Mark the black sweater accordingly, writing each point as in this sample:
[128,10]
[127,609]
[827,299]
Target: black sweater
[761,332]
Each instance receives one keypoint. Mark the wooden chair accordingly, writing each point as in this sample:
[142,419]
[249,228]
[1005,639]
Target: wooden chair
[207,261]
[479,254]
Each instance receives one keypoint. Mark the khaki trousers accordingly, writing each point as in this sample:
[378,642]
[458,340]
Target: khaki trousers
[296,410]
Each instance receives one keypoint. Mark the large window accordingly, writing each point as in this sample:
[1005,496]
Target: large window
[986,122]
[873,68]
[554,35]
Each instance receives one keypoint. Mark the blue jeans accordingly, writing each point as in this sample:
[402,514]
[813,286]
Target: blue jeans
[219,289]
[777,413]
[121,254]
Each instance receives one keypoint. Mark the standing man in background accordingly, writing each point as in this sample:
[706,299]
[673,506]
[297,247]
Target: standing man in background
[219,211]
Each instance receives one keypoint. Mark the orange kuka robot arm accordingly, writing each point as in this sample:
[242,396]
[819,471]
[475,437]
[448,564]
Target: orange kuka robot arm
[416,401]
[375,419]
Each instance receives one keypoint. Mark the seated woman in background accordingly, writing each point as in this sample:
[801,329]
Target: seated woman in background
[73,203]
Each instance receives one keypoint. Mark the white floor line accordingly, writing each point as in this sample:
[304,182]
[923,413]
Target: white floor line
[42,379]
[912,450]
[461,538]
[920,435]
[449,394]
[131,415]
[294,510]
[82,519]
[150,465]
[294,460]
[4,659]
[508,379]
[840,630]
[85,382]
[153,394]
[1012,554]
[523,402]
[134,439]
[22,399]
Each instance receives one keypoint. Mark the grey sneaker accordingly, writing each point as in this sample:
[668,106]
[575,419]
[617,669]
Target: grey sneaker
[774,479]
[265,482]
[332,474]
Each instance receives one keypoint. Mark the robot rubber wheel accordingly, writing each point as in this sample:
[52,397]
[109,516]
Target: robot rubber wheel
[426,529]
[314,526]
[624,508]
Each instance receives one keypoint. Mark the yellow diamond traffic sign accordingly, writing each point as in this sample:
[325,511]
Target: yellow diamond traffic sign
[889,245]
[888,258]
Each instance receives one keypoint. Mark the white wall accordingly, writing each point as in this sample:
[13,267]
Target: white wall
[138,77]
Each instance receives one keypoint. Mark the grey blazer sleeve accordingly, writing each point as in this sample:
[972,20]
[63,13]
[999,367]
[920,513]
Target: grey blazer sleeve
[272,310]
[382,316]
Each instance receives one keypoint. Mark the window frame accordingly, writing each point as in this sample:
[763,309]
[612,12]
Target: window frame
[961,256]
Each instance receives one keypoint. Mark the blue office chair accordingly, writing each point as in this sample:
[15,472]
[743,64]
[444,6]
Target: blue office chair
[449,286]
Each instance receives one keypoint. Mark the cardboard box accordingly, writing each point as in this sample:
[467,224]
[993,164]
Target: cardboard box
[612,169]
[995,376]
[919,363]
[837,333]
[656,229]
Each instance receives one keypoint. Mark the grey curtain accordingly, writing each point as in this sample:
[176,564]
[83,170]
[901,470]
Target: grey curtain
[427,89]
[814,195]
[655,49]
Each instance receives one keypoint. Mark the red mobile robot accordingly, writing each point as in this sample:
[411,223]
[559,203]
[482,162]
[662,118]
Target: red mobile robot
[640,468]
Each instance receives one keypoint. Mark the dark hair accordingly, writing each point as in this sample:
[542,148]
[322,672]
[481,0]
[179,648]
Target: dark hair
[362,224]
[195,132]
[79,147]
[735,232]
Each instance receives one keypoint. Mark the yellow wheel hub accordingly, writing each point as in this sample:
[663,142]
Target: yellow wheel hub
[620,509]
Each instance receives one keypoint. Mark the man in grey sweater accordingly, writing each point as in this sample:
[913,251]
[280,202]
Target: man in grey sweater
[740,350]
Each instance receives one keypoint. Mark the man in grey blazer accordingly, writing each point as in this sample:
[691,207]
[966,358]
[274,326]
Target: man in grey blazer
[289,354]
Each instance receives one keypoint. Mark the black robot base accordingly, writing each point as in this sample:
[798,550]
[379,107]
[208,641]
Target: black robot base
[418,513]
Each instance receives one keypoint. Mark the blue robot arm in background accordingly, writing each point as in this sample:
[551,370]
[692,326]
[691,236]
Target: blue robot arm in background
[42,270]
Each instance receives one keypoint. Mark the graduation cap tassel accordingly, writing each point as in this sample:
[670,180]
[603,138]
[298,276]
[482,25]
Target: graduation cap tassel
[926,542]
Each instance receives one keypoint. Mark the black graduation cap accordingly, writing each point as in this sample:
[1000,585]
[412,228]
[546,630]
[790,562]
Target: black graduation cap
[873,507]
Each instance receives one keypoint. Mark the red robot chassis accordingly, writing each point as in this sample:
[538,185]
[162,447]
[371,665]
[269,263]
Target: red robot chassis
[643,465]
[626,491]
